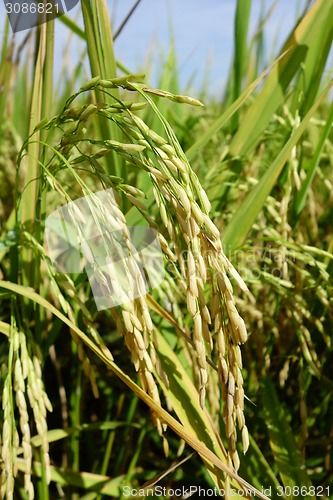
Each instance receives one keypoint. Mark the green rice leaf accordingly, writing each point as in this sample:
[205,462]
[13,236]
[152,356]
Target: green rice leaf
[242,20]
[313,164]
[301,49]
[223,119]
[54,435]
[241,223]
[256,467]
[282,441]
[105,485]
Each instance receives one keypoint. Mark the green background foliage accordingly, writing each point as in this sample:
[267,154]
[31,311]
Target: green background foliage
[264,156]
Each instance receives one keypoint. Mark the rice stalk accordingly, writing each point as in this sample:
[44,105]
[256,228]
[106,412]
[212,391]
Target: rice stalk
[24,379]
[191,244]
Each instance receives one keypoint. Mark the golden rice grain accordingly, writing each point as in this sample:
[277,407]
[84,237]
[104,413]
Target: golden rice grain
[245,439]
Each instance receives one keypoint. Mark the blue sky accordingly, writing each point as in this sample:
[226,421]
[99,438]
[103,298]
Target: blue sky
[203,34]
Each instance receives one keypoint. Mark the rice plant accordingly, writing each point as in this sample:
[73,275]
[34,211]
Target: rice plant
[220,377]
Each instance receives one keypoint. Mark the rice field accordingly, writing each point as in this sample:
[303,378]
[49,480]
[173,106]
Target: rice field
[208,372]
